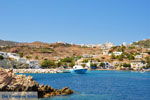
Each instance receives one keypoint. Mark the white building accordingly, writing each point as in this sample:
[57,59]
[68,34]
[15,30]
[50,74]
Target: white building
[107,45]
[87,56]
[107,65]
[13,55]
[33,63]
[4,54]
[105,52]
[22,60]
[116,53]
[138,56]
[137,64]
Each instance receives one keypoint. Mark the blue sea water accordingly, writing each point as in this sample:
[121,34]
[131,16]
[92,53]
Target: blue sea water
[100,85]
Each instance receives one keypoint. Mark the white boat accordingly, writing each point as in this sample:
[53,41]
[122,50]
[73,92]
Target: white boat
[78,69]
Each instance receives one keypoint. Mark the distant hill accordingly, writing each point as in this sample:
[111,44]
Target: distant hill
[143,43]
[7,43]
[40,50]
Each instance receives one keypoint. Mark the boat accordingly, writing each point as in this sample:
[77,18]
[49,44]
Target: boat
[78,69]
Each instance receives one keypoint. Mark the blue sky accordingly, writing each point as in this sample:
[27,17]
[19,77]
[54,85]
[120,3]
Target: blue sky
[76,21]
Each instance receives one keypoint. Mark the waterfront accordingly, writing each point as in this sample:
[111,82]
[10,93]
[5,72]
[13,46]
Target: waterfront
[100,85]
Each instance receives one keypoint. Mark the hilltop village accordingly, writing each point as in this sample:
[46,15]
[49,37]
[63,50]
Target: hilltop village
[39,55]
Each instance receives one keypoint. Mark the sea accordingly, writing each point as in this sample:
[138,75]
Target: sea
[99,85]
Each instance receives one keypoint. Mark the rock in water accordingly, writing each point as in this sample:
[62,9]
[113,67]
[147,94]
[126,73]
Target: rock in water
[12,82]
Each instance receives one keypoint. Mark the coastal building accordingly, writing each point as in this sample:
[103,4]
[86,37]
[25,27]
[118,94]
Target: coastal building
[22,60]
[116,63]
[4,54]
[138,56]
[33,63]
[138,64]
[13,55]
[106,65]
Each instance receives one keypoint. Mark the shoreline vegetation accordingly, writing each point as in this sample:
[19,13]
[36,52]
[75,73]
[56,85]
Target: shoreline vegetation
[11,82]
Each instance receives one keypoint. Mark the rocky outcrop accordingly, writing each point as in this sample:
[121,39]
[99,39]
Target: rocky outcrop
[12,82]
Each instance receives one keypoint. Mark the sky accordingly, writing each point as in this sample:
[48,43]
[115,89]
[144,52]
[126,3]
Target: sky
[75,21]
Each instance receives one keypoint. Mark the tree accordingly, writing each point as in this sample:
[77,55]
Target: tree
[147,59]
[67,59]
[21,54]
[126,65]
[36,57]
[85,60]
[130,57]
[102,64]
[1,57]
[113,56]
[95,65]
[120,57]
[47,64]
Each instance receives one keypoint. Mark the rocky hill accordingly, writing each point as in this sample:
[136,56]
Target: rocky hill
[143,43]
[54,51]
[7,43]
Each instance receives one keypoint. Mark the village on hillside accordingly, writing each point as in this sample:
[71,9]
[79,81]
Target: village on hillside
[63,55]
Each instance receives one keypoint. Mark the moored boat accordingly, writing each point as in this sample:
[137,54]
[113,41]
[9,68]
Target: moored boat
[78,69]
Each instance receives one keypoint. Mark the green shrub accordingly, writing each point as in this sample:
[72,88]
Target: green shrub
[1,57]
[126,65]
[48,64]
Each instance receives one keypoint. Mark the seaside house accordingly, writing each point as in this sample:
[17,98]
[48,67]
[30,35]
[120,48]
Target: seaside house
[138,64]
[106,65]
[13,55]
[22,60]
[33,63]
[4,54]
[116,63]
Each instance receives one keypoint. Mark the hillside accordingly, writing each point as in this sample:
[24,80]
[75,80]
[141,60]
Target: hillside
[7,43]
[53,51]
[143,43]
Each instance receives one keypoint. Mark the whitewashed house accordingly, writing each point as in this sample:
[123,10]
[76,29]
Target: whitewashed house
[116,63]
[33,63]
[138,56]
[105,52]
[138,64]
[13,55]
[22,60]
[107,45]
[107,65]
[117,53]
[87,56]
[4,54]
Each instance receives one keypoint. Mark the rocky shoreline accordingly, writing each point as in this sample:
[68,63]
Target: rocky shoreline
[18,83]
[37,70]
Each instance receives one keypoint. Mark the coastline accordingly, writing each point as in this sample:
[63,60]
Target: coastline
[37,70]
[60,70]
